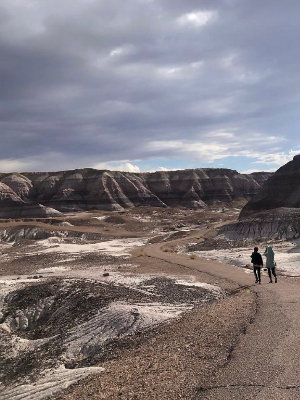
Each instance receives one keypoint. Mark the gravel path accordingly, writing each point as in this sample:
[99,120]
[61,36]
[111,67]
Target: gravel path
[265,364]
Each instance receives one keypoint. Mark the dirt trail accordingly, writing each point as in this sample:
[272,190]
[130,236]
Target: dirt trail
[265,363]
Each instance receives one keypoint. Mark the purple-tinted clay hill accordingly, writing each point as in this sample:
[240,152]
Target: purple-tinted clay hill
[12,205]
[281,190]
[46,194]
[274,212]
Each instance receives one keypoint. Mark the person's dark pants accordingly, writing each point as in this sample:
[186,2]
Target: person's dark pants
[270,272]
[257,272]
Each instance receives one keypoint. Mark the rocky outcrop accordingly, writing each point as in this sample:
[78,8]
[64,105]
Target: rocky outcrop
[19,233]
[41,193]
[281,190]
[12,206]
[273,213]
[280,223]
[19,184]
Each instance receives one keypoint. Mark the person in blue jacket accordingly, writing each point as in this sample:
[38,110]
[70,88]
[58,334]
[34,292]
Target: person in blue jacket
[270,263]
[257,262]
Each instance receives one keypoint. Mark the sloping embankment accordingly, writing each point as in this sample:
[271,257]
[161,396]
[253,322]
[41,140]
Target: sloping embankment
[281,223]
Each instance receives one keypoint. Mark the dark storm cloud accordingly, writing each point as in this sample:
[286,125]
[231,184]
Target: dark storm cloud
[91,81]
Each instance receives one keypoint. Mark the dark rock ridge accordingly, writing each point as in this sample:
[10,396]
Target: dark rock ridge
[281,190]
[280,223]
[273,213]
[39,194]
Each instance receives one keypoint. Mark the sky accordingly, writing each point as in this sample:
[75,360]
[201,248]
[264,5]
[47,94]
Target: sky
[146,85]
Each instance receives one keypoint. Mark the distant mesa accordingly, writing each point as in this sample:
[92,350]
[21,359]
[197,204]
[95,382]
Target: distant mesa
[48,194]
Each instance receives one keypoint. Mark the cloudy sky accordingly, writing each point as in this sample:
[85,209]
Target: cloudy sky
[144,85]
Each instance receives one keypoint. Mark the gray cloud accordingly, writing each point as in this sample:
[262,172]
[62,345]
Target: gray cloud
[91,82]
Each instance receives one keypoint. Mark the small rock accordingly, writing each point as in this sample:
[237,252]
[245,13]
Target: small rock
[106,274]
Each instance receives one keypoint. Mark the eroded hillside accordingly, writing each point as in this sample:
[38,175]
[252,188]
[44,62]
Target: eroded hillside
[46,194]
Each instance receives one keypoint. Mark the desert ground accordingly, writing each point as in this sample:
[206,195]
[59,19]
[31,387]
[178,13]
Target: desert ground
[150,303]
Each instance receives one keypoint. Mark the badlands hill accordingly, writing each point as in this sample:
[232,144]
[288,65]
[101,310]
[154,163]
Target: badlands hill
[274,213]
[281,190]
[47,194]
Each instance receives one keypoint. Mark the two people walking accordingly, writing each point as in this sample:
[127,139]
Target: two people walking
[257,262]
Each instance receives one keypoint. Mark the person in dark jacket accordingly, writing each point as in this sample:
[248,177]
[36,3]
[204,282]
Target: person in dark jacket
[270,263]
[257,262]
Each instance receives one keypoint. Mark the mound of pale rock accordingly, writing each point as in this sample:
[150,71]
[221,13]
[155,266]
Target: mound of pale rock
[21,185]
